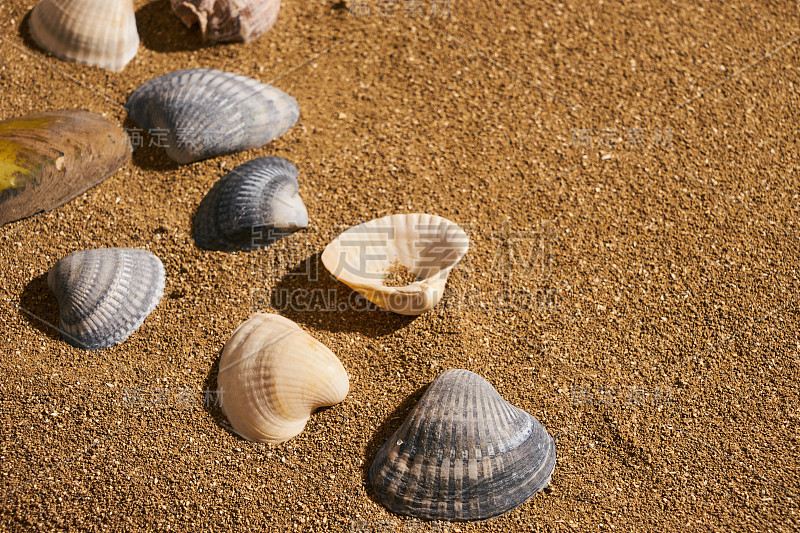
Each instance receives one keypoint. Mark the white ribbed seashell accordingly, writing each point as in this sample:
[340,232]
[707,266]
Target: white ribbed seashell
[429,246]
[94,32]
[228,20]
[205,113]
[273,376]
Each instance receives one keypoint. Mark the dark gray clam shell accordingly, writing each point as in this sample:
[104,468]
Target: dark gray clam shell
[253,205]
[463,453]
[105,294]
[200,113]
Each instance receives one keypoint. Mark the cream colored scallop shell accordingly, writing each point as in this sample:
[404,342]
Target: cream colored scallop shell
[429,246]
[94,32]
[273,376]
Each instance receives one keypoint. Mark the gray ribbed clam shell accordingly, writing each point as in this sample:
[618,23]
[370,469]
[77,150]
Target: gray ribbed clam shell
[463,453]
[104,295]
[253,205]
[200,113]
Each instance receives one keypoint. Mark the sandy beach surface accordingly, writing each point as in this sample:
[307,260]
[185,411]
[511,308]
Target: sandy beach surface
[627,173]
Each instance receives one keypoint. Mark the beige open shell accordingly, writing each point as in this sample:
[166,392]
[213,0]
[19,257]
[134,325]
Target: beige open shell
[429,246]
[273,376]
[94,32]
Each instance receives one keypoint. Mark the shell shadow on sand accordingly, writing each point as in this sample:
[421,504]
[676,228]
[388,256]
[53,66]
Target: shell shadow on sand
[39,307]
[211,401]
[24,30]
[310,295]
[161,31]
